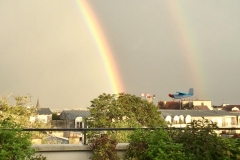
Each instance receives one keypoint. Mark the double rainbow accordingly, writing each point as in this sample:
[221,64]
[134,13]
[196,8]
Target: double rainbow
[184,34]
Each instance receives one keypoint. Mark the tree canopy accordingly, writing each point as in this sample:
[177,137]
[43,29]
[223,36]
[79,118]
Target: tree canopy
[123,110]
[15,143]
[20,112]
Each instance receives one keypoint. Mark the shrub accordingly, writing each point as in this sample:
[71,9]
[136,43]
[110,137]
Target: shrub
[232,148]
[138,145]
[14,143]
[104,148]
[154,144]
[161,146]
[55,116]
[200,140]
[38,157]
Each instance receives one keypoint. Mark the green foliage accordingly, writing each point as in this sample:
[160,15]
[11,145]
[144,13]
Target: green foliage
[108,110]
[55,116]
[38,157]
[21,112]
[104,148]
[21,100]
[200,140]
[195,142]
[232,148]
[121,110]
[14,143]
[154,145]
[138,145]
[161,146]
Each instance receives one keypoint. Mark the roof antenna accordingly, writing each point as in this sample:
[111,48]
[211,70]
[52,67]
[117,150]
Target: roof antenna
[30,97]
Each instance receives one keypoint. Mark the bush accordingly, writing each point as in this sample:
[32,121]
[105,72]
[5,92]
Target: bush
[231,148]
[55,116]
[199,139]
[138,145]
[161,146]
[14,143]
[104,148]
[154,144]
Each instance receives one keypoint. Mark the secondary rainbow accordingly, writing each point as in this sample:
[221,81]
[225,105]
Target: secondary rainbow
[102,44]
[187,42]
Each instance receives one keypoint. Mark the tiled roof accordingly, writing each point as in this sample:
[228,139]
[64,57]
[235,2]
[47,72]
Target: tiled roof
[160,104]
[173,105]
[196,113]
[217,106]
[44,111]
[230,107]
[73,114]
[168,105]
[200,108]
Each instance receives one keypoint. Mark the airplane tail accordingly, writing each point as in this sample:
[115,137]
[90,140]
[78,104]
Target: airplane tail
[190,91]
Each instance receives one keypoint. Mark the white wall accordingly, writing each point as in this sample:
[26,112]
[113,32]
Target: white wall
[199,103]
[72,151]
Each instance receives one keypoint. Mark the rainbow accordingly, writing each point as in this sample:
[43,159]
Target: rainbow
[187,42]
[102,45]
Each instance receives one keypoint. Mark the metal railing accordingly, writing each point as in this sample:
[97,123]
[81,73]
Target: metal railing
[85,130]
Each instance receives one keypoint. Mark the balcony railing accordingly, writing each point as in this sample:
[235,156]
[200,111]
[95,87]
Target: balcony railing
[85,130]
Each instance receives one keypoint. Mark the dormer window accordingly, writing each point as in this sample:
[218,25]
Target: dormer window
[79,125]
[235,109]
[79,122]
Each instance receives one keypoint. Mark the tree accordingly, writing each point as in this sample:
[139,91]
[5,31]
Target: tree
[15,144]
[109,110]
[123,110]
[154,144]
[200,140]
[118,110]
[20,112]
[55,116]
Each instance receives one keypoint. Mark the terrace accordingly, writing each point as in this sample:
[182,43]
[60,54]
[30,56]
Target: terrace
[83,151]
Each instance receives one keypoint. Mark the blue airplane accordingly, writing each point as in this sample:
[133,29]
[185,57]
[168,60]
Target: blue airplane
[180,95]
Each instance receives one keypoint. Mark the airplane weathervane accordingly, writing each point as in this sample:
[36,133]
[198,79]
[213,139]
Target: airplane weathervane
[181,95]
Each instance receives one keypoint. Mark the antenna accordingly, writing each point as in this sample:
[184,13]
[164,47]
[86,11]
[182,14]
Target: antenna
[30,97]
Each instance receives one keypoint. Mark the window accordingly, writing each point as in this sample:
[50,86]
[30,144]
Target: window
[79,125]
[188,119]
[176,119]
[168,119]
[78,122]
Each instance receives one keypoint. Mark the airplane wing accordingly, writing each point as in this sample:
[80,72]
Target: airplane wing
[181,93]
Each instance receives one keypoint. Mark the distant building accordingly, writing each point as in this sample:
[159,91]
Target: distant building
[185,105]
[197,103]
[231,108]
[227,107]
[73,119]
[44,115]
[182,117]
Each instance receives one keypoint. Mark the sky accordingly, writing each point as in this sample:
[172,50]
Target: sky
[66,53]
